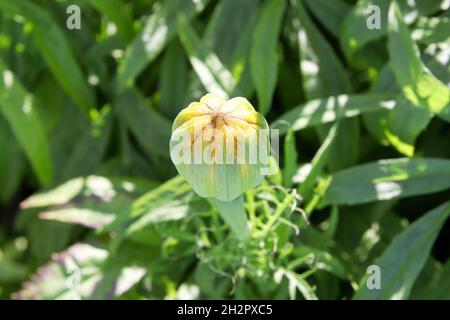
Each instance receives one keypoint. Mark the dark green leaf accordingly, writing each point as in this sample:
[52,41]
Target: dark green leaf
[56,51]
[264,61]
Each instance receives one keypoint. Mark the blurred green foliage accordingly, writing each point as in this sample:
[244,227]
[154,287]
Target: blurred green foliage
[90,203]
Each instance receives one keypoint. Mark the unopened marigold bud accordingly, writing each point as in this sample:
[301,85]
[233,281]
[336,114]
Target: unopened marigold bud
[220,146]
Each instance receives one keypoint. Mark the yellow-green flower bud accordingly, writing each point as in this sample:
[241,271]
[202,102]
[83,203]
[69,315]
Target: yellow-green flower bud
[220,147]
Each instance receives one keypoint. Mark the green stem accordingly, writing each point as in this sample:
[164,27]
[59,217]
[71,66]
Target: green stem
[234,215]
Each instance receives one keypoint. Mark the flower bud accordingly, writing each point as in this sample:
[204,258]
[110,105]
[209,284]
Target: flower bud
[220,146]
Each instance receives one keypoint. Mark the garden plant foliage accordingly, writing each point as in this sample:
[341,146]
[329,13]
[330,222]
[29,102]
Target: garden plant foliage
[91,206]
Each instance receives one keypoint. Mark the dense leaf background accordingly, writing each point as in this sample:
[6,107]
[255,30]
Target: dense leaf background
[90,203]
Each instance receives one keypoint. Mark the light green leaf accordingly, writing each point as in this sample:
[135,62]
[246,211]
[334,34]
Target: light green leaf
[388,179]
[419,85]
[296,282]
[324,75]
[321,260]
[229,35]
[376,122]
[86,217]
[83,267]
[330,109]
[19,109]
[169,202]
[92,201]
[323,72]
[212,73]
[432,30]
[402,261]
[233,213]
[318,162]
[159,28]
[404,123]
[227,32]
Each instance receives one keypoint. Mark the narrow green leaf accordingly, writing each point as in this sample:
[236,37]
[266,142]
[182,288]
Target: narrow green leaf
[331,224]
[229,35]
[233,213]
[434,57]
[319,62]
[330,109]
[405,257]
[321,260]
[19,109]
[55,49]
[87,262]
[330,13]
[140,117]
[264,61]
[347,154]
[173,81]
[376,122]
[119,15]
[296,282]
[12,163]
[290,158]
[82,160]
[435,285]
[86,217]
[404,123]
[324,75]
[355,32]
[388,179]
[419,85]
[432,30]
[159,28]
[55,197]
[170,201]
[52,102]
[209,69]
[318,162]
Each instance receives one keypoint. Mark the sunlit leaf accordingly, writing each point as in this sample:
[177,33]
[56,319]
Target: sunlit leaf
[321,111]
[388,179]
[159,28]
[214,76]
[419,85]
[77,273]
[19,109]
[403,259]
